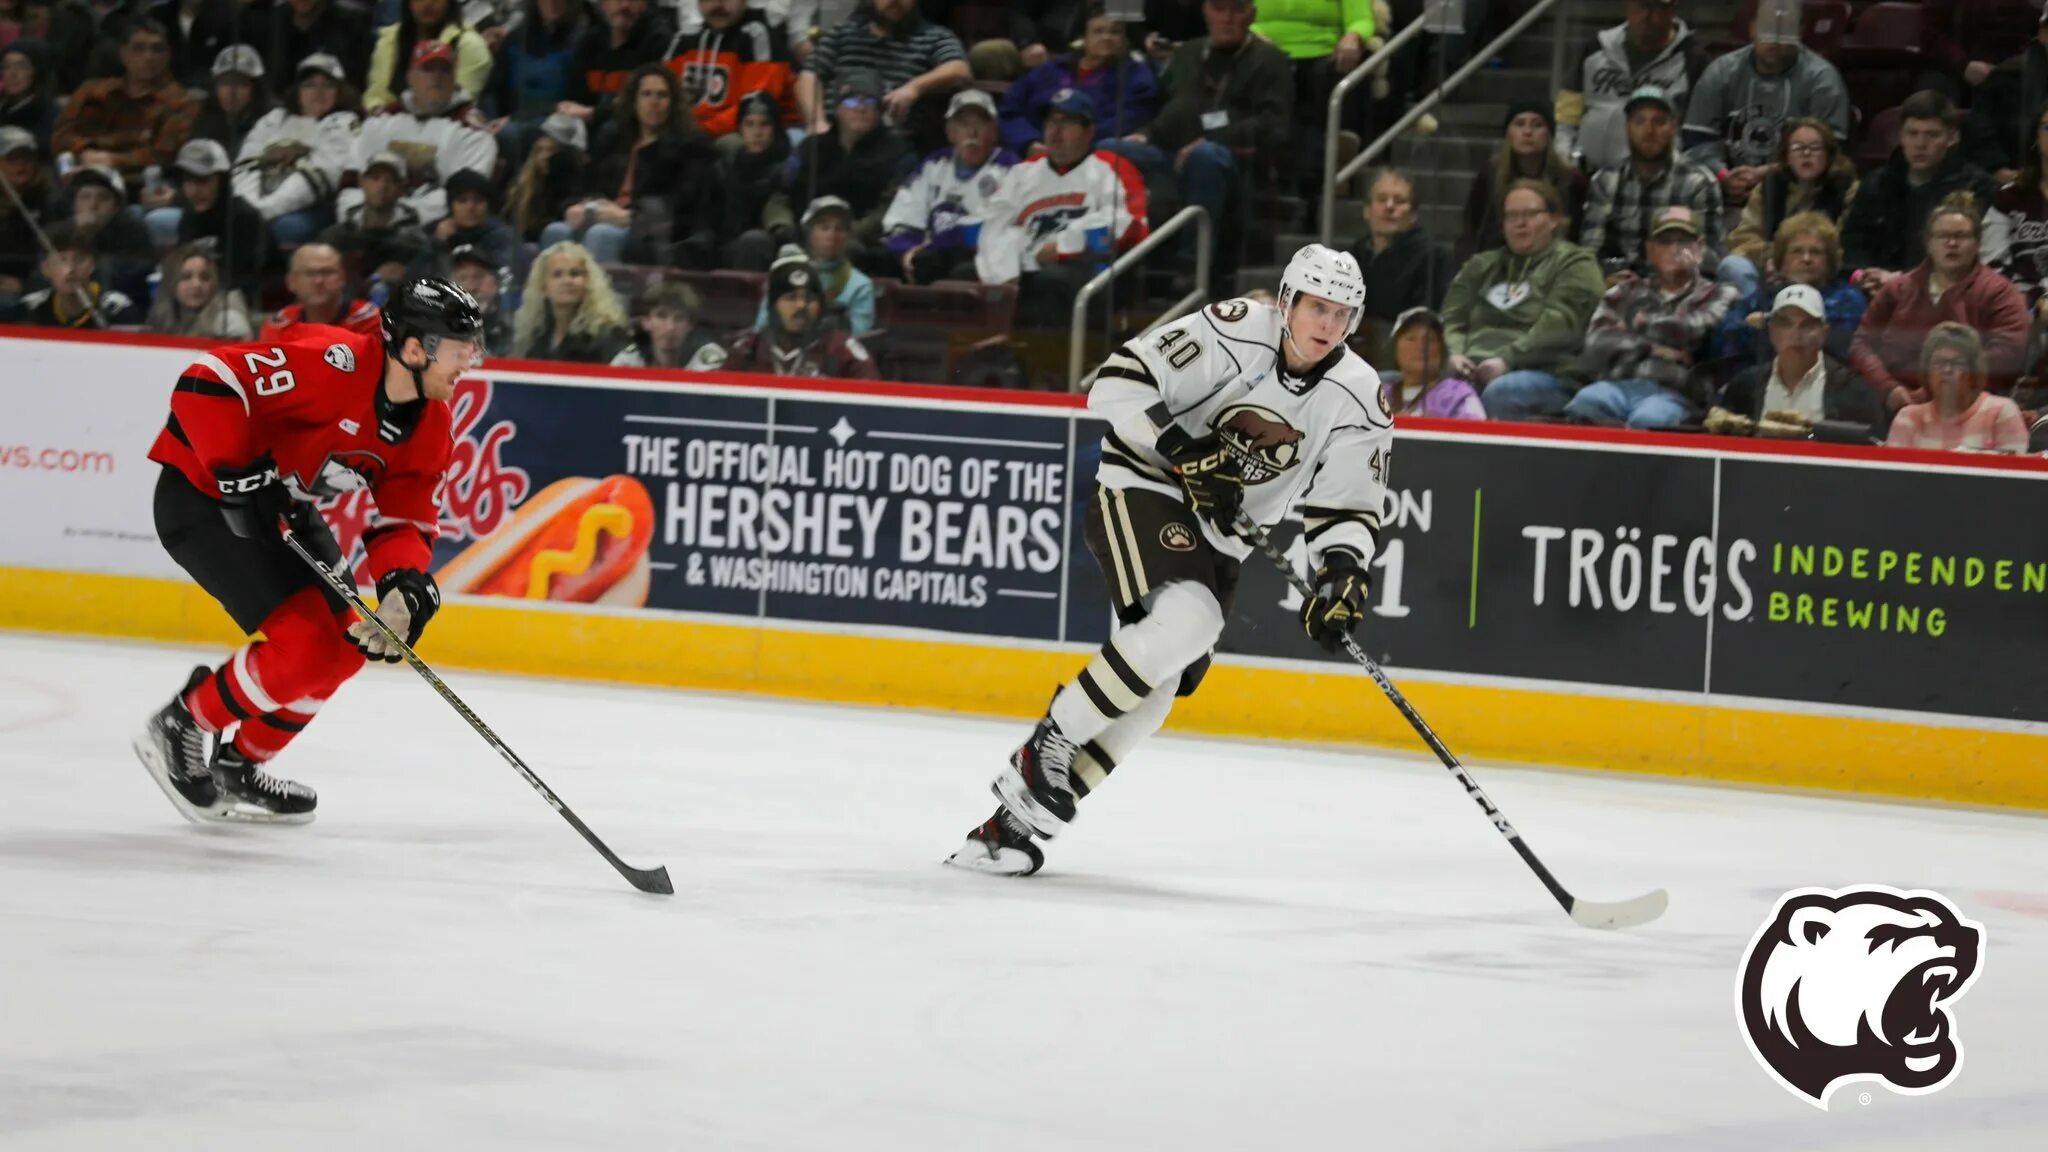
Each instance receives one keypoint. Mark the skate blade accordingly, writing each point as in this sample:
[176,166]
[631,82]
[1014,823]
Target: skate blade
[145,751]
[233,811]
[975,857]
[1010,788]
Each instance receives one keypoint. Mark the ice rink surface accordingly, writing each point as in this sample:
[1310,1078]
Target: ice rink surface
[1236,947]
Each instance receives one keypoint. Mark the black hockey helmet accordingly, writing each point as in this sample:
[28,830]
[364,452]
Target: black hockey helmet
[431,309]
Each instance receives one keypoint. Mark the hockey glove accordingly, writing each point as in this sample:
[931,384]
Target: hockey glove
[406,600]
[252,498]
[1210,474]
[1339,601]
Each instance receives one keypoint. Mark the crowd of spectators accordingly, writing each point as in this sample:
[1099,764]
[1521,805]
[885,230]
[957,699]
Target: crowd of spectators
[1682,238]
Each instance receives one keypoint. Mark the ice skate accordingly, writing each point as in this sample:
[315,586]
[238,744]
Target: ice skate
[1036,786]
[173,747]
[1001,846]
[250,795]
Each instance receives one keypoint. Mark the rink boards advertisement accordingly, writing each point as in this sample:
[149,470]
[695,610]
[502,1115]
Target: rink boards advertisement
[1555,596]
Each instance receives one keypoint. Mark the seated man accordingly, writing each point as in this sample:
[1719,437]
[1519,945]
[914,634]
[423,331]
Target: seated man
[124,253]
[794,341]
[74,299]
[379,231]
[734,52]
[319,288]
[1743,100]
[473,272]
[915,60]
[1653,47]
[1094,70]
[1802,377]
[1056,220]
[666,333]
[1626,197]
[1884,232]
[469,221]
[1647,347]
[435,129]
[935,220]
[210,213]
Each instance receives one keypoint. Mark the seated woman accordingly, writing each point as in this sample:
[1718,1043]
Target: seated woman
[1421,387]
[652,180]
[292,160]
[1807,250]
[1812,175]
[667,335]
[569,311]
[1950,285]
[1958,415]
[1525,153]
[189,300]
[1515,317]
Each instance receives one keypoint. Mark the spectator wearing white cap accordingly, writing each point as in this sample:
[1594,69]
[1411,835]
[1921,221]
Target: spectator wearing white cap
[236,99]
[434,128]
[848,292]
[21,166]
[292,160]
[380,232]
[297,29]
[208,212]
[1801,376]
[934,223]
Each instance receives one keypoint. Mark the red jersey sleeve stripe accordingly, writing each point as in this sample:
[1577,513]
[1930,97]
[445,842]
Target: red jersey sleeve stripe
[204,386]
[224,374]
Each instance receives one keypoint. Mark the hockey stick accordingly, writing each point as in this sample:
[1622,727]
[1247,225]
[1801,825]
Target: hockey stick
[645,879]
[1587,913]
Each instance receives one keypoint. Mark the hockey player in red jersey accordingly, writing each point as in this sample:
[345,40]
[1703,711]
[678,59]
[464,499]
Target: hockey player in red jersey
[258,433]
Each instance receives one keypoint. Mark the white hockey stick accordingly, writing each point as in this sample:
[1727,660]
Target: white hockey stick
[1586,913]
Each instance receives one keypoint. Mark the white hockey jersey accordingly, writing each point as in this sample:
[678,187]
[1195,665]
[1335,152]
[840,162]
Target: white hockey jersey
[1038,204]
[1320,444]
[328,146]
[942,206]
[433,147]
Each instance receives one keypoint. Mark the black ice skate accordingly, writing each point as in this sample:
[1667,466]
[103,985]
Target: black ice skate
[173,747]
[250,795]
[1001,846]
[1036,786]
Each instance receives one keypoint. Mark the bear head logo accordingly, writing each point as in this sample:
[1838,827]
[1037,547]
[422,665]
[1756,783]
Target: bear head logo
[1856,984]
[1264,443]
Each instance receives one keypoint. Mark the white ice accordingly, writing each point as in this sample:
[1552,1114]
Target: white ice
[1238,946]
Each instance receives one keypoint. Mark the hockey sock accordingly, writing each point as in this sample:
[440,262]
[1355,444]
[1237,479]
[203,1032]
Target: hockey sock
[1182,623]
[266,735]
[1100,756]
[305,656]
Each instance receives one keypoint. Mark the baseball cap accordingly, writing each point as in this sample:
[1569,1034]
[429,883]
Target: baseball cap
[391,160]
[857,84]
[971,98]
[1073,102]
[567,131]
[238,60]
[1677,218]
[14,140]
[202,158]
[1418,315]
[824,204]
[1649,94]
[468,254]
[428,52]
[324,64]
[1803,297]
[467,181]
[104,177]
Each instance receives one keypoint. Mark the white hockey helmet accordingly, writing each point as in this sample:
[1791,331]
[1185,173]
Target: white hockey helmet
[1325,272]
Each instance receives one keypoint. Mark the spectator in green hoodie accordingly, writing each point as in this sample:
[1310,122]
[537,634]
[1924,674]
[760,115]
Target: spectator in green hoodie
[1515,316]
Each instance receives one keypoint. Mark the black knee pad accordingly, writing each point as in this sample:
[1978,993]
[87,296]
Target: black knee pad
[1191,676]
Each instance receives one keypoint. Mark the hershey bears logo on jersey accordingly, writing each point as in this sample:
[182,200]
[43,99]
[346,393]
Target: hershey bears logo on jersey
[1230,311]
[341,472]
[341,356]
[1264,443]
[1849,985]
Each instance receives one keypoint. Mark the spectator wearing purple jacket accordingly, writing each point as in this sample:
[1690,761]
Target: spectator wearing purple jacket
[1092,70]
[1423,385]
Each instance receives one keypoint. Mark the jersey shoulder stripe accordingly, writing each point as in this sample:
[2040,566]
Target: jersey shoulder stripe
[219,370]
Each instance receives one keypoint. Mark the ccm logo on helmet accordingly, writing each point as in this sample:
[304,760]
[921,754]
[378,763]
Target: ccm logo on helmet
[1857,984]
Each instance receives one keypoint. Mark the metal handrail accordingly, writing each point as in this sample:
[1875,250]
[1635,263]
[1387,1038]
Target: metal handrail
[1386,140]
[1335,123]
[1205,243]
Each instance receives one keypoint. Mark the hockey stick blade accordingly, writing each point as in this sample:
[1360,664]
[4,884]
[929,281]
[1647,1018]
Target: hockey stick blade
[654,880]
[1588,914]
[1621,913]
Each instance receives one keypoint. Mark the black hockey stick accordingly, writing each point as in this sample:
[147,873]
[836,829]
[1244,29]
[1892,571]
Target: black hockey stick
[645,879]
[1587,913]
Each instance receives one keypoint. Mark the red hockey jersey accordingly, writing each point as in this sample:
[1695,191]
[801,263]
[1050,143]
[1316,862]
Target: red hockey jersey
[358,316]
[311,403]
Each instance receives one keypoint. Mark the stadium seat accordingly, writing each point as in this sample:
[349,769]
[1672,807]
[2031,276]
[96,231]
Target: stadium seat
[1879,138]
[924,331]
[731,298]
[1886,35]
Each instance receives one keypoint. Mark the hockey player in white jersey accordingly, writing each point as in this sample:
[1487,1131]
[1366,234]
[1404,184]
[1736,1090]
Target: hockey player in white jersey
[1241,405]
